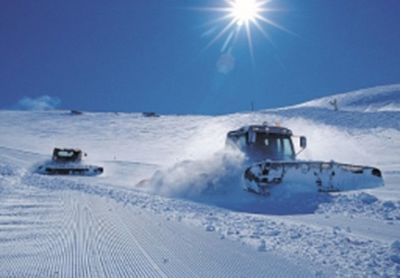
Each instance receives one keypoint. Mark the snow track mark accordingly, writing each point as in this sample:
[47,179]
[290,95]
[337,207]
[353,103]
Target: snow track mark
[64,233]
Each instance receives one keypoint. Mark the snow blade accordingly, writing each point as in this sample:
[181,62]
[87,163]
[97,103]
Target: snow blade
[313,176]
[78,170]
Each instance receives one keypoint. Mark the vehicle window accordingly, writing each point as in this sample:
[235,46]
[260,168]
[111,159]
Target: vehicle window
[65,154]
[287,148]
[242,141]
[279,153]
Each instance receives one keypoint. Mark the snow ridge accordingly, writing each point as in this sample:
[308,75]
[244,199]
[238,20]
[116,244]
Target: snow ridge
[375,99]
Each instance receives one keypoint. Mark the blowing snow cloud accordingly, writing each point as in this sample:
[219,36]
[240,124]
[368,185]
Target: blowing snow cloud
[40,103]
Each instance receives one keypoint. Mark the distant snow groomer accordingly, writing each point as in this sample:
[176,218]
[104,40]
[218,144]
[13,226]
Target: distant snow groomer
[271,150]
[68,162]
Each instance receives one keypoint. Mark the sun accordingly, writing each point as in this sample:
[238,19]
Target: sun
[244,11]
[236,16]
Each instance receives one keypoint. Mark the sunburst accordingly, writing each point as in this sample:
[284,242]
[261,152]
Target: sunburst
[238,16]
[245,11]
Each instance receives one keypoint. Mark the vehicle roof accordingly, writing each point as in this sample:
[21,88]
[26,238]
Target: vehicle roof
[67,149]
[261,129]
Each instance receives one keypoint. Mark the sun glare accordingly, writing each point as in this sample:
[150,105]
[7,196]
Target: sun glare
[238,16]
[244,11]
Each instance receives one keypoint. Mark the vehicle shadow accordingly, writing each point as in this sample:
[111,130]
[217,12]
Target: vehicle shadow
[244,201]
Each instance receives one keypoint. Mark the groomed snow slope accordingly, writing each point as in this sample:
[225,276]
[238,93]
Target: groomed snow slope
[193,219]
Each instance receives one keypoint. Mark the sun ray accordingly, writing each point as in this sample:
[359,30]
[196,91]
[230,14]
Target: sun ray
[227,41]
[274,24]
[249,41]
[261,29]
[221,33]
[241,16]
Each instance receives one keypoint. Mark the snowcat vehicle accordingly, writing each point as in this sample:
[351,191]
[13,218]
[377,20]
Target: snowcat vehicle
[150,115]
[68,162]
[271,153]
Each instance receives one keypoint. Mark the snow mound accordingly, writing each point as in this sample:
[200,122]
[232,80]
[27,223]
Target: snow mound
[362,204]
[375,99]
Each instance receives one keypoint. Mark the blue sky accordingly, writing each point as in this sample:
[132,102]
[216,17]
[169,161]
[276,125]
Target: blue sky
[151,55]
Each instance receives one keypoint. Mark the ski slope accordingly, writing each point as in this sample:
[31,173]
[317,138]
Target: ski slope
[192,219]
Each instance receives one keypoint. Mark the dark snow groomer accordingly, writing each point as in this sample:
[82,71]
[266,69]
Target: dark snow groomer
[271,150]
[68,162]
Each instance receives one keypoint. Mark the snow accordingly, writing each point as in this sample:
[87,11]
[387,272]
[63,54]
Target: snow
[376,99]
[170,202]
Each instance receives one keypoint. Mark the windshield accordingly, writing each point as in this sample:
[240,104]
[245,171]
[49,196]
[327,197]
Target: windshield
[271,146]
[66,155]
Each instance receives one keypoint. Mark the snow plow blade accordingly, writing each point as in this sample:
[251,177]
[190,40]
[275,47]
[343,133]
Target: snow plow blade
[87,170]
[313,176]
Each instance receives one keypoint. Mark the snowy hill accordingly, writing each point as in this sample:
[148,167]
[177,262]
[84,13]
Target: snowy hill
[381,98]
[112,226]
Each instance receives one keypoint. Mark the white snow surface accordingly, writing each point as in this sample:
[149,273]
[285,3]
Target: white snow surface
[170,203]
[380,98]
